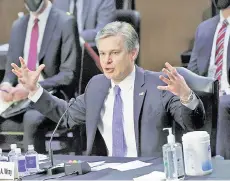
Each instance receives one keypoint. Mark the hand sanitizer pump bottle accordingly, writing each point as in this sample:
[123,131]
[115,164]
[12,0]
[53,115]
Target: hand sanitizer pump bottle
[173,158]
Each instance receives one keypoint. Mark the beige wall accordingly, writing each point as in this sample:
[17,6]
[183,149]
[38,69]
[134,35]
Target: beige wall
[8,13]
[166,31]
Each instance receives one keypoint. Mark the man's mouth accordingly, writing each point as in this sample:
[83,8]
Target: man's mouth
[109,70]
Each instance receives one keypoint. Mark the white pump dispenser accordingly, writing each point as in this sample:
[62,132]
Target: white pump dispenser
[170,137]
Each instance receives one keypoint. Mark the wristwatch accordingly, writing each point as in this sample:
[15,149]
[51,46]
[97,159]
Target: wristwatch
[190,98]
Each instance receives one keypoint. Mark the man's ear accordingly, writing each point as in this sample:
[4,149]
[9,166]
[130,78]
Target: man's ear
[134,54]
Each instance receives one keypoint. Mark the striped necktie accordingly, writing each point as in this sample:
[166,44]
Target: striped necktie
[220,50]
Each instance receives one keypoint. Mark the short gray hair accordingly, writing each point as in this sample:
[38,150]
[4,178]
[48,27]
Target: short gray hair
[120,28]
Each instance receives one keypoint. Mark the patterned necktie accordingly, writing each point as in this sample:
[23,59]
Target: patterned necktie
[119,144]
[220,50]
[32,59]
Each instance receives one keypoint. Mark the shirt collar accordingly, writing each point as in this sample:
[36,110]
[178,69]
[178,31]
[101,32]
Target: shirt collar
[127,83]
[44,15]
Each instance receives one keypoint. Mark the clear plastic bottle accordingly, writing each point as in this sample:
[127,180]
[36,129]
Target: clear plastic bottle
[2,157]
[173,158]
[20,162]
[31,157]
[12,152]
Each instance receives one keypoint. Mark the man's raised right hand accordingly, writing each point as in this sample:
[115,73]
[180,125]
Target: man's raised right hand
[27,77]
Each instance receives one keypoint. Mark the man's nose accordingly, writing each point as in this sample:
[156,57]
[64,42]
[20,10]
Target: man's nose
[108,59]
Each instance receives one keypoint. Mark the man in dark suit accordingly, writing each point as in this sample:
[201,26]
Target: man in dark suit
[47,35]
[126,108]
[91,15]
[210,57]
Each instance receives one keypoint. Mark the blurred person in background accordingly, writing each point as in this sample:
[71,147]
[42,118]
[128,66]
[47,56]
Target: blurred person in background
[91,15]
[211,58]
[48,36]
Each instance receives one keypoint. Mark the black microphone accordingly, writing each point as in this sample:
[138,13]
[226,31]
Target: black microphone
[51,138]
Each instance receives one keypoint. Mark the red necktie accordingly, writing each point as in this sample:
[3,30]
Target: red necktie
[32,59]
[220,50]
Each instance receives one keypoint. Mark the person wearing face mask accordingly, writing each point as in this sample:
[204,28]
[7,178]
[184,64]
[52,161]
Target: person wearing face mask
[211,58]
[91,15]
[46,35]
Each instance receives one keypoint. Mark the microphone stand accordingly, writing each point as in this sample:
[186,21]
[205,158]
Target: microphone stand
[52,170]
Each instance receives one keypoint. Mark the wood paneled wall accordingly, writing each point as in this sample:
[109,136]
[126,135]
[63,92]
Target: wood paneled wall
[168,28]
[8,13]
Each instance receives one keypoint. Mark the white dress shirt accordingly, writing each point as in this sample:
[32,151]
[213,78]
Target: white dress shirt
[79,5]
[43,17]
[212,67]
[105,125]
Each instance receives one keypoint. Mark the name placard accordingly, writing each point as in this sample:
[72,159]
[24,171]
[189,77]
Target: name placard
[6,170]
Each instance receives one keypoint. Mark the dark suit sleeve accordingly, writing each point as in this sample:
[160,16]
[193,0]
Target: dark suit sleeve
[70,62]
[105,14]
[188,119]
[53,108]
[194,56]
[9,75]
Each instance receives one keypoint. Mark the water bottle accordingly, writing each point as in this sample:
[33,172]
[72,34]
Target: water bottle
[20,162]
[31,157]
[11,154]
[2,157]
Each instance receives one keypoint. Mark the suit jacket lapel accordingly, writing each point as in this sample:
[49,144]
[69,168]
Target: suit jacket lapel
[66,5]
[85,11]
[62,4]
[94,110]
[22,34]
[207,46]
[139,96]
[99,98]
[49,29]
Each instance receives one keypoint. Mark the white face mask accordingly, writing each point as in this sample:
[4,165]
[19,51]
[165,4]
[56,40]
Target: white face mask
[221,4]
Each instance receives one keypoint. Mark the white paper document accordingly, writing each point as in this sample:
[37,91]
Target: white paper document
[156,176]
[4,47]
[95,164]
[4,105]
[105,166]
[131,165]
[42,157]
